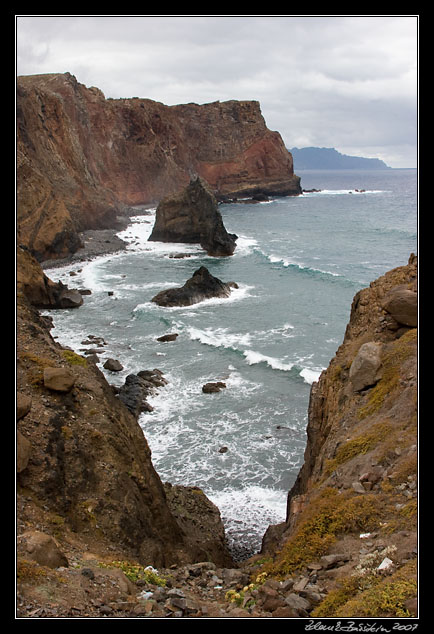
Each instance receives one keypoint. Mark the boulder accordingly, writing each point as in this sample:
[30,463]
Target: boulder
[24,403]
[212,388]
[401,303]
[192,216]
[24,449]
[296,602]
[68,298]
[202,285]
[331,561]
[113,365]
[365,369]
[58,379]
[41,548]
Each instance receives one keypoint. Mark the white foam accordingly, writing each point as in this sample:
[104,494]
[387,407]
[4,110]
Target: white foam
[237,294]
[219,337]
[253,358]
[248,512]
[310,375]
[341,192]
[286,262]
[245,245]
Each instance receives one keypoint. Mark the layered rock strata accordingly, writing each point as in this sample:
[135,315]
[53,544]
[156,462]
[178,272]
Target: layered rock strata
[83,160]
[192,216]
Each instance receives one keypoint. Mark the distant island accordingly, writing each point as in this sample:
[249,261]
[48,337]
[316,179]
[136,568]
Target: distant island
[330,159]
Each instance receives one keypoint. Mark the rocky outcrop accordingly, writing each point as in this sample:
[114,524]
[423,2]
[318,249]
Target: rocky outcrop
[84,467]
[137,387]
[201,286]
[357,489]
[192,216]
[83,160]
[39,289]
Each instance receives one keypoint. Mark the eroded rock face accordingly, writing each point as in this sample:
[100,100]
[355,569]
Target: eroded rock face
[202,285]
[83,456]
[39,289]
[364,402]
[82,158]
[192,216]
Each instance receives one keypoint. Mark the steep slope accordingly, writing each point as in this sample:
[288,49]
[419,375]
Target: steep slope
[82,159]
[356,494]
[82,458]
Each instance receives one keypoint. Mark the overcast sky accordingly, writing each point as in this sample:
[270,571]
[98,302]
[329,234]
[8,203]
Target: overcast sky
[348,82]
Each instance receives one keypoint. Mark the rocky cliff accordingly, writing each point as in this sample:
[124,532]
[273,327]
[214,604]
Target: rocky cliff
[355,498]
[83,462]
[92,512]
[83,159]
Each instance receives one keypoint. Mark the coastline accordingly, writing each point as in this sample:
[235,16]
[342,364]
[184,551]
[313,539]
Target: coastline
[96,242]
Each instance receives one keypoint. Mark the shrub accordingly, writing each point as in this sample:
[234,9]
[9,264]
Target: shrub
[331,513]
[136,572]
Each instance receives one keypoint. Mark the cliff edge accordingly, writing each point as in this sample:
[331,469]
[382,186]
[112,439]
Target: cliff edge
[84,160]
[352,513]
[84,468]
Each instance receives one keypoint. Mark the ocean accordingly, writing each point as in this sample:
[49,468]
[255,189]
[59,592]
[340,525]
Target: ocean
[298,263]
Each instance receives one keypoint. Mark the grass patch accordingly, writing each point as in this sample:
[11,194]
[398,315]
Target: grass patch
[386,597]
[135,572]
[73,358]
[328,515]
[36,374]
[359,445]
[371,596]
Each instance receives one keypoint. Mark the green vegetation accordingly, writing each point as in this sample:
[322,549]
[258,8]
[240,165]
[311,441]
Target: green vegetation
[359,445]
[136,572]
[375,596]
[73,358]
[330,514]
[36,373]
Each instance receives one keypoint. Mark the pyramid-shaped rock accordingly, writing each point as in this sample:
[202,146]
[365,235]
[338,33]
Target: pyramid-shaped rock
[192,216]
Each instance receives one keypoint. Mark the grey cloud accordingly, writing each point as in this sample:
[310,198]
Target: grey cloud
[344,80]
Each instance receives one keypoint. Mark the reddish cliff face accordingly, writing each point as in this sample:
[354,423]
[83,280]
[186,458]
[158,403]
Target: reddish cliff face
[82,158]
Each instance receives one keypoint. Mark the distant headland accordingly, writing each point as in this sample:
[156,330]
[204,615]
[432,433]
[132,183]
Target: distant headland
[330,159]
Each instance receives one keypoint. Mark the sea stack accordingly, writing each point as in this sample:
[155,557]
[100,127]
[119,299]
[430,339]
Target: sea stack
[192,216]
[202,285]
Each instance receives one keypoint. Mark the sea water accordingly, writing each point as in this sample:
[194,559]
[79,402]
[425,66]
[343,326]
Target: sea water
[298,263]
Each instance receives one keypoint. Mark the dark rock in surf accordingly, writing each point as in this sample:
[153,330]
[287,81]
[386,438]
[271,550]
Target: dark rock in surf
[192,216]
[113,365]
[138,387]
[165,338]
[202,285]
[213,388]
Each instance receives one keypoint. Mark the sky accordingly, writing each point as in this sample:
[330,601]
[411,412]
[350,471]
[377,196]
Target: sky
[347,82]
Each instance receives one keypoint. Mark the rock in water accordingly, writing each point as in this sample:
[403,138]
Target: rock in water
[192,216]
[202,285]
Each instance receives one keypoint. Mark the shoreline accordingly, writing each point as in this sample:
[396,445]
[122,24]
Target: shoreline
[96,242]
